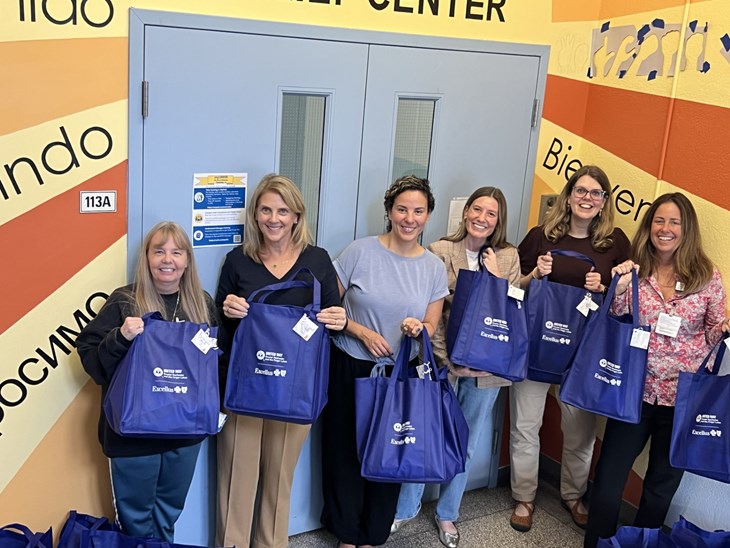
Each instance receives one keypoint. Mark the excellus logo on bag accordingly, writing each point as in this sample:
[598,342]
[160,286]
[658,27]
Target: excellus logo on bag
[402,433]
[275,362]
[710,425]
[496,329]
[170,376]
[612,370]
[557,332]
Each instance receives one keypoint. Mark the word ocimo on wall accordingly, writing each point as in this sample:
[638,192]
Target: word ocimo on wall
[34,370]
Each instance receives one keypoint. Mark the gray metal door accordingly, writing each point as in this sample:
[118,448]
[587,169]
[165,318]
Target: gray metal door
[480,134]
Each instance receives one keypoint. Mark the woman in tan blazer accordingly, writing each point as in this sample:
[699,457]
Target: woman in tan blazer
[484,221]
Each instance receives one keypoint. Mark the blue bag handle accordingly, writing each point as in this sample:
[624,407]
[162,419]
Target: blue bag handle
[634,296]
[573,254]
[157,316]
[720,347]
[291,283]
[400,369]
[34,539]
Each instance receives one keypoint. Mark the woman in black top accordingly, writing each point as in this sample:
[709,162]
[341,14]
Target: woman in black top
[150,476]
[253,450]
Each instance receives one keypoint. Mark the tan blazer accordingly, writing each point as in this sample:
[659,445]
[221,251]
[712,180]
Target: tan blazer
[453,254]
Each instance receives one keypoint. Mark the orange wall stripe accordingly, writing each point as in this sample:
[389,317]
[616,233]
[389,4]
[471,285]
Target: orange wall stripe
[49,244]
[630,124]
[48,79]
[592,10]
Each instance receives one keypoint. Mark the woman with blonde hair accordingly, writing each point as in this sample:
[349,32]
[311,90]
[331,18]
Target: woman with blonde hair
[150,476]
[582,221]
[682,297]
[257,457]
[483,222]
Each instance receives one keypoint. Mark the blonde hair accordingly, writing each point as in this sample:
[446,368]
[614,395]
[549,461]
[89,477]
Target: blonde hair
[557,220]
[691,265]
[292,197]
[498,239]
[145,296]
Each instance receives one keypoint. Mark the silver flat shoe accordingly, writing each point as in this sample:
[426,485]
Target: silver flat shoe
[398,523]
[447,539]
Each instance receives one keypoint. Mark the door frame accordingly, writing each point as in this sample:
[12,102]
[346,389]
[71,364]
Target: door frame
[139,19]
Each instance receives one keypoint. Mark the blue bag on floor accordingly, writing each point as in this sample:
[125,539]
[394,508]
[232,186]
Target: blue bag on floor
[554,323]
[686,534]
[274,371]
[77,523]
[166,385]
[487,329]
[607,374]
[16,535]
[410,429]
[701,430]
[636,537]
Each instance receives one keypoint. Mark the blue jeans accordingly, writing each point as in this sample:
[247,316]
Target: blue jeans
[477,404]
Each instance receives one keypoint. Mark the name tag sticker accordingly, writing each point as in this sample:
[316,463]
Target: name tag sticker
[203,341]
[583,307]
[668,325]
[640,339]
[305,328]
[516,293]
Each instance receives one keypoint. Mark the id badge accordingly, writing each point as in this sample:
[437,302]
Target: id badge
[668,325]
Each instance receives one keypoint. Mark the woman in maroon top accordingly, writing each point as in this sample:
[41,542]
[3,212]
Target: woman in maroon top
[581,220]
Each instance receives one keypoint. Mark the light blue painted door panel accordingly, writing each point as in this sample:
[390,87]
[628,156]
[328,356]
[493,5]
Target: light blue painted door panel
[214,106]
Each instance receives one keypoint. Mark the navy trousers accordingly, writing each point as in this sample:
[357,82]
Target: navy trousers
[149,491]
[622,443]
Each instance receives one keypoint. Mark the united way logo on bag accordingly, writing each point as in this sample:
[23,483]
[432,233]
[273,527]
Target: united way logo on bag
[166,377]
[403,431]
[707,425]
[271,364]
[611,372]
[495,329]
[556,332]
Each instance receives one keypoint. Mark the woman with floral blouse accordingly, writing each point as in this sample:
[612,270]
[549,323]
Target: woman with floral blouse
[682,297]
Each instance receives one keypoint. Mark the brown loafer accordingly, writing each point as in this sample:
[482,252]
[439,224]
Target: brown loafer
[579,518]
[522,523]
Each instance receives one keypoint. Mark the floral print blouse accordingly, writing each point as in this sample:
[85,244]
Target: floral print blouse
[702,314]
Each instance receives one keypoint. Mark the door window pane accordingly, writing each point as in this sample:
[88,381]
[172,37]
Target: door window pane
[301,147]
[413,135]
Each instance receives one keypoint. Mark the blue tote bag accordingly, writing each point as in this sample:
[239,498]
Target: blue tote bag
[167,383]
[701,431]
[607,374]
[279,369]
[686,534]
[554,323]
[487,329]
[77,524]
[16,535]
[636,537]
[410,429]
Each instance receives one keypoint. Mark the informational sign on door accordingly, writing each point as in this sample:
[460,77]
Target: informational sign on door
[219,208]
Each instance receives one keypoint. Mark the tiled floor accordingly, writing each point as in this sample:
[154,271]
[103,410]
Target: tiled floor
[484,522]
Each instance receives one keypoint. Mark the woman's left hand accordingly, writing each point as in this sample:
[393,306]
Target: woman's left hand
[411,327]
[489,259]
[726,325]
[333,318]
[593,282]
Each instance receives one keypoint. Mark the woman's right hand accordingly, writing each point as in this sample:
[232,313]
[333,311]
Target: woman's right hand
[235,307]
[624,269]
[131,327]
[544,265]
[375,343]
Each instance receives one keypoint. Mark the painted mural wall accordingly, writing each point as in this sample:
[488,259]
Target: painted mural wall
[638,87]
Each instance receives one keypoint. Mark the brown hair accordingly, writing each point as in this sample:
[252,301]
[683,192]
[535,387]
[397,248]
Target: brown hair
[498,239]
[404,184]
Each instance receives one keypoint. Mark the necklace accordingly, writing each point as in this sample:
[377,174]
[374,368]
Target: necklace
[177,302]
[284,259]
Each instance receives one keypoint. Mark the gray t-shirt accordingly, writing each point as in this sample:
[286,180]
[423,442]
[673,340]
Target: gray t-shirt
[383,288]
